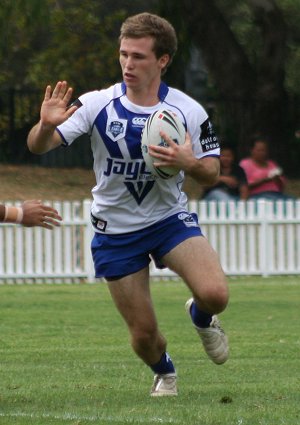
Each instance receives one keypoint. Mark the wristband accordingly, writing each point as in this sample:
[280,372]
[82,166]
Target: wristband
[13,215]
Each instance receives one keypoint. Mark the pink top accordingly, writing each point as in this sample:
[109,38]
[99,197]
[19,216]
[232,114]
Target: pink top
[255,172]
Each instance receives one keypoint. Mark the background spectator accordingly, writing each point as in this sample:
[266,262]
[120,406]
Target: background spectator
[232,182]
[265,177]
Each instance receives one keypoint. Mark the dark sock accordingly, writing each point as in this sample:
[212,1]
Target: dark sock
[165,365]
[199,317]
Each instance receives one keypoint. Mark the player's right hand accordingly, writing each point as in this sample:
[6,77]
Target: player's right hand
[54,109]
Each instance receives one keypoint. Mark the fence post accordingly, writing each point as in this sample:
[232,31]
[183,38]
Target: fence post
[264,208]
[88,235]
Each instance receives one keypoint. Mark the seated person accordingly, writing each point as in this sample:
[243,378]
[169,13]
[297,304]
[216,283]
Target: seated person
[265,177]
[232,182]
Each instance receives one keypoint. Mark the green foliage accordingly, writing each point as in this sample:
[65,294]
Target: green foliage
[62,39]
[24,29]
[50,40]
[66,358]
[241,20]
[291,10]
[82,49]
[292,71]
[43,41]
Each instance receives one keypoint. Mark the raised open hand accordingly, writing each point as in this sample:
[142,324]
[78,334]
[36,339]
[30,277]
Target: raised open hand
[54,110]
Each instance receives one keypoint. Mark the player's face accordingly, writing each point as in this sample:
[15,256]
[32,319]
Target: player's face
[140,67]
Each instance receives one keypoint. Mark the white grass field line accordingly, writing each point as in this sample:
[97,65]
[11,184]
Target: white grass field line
[96,418]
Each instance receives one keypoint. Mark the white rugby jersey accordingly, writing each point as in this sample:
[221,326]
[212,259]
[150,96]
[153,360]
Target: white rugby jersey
[127,197]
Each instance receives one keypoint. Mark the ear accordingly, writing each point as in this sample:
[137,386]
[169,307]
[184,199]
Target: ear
[163,61]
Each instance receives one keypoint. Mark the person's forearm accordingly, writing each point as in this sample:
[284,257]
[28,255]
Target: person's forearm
[10,214]
[205,171]
[257,183]
[244,192]
[42,138]
[2,212]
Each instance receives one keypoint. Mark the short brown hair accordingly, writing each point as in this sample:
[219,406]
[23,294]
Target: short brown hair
[150,25]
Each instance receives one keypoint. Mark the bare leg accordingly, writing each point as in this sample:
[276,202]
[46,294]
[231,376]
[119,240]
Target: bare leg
[132,298]
[198,265]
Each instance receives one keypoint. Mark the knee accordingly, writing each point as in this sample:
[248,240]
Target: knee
[221,299]
[213,299]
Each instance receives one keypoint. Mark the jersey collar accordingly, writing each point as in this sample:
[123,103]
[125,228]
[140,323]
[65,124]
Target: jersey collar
[162,91]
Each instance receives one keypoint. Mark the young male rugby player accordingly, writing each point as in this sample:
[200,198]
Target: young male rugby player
[134,214]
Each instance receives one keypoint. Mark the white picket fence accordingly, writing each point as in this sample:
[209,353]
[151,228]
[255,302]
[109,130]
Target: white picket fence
[251,239]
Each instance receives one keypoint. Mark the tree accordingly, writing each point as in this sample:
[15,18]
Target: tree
[245,46]
[50,40]
[24,29]
[62,39]
[250,48]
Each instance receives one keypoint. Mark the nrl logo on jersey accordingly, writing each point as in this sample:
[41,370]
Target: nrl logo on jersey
[116,129]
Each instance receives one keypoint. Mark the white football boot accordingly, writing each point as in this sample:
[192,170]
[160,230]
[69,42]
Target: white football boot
[164,385]
[213,338]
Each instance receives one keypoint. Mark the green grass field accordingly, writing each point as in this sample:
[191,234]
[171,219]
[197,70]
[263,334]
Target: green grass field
[65,358]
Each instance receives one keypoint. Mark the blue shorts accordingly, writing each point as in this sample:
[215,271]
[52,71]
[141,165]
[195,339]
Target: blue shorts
[120,255]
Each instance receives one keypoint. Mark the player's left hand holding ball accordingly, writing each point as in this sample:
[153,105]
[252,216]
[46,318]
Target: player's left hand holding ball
[177,156]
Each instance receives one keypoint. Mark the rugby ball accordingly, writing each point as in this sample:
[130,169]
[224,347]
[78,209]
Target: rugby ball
[168,122]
